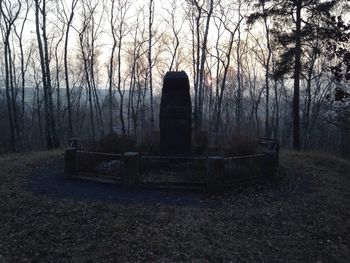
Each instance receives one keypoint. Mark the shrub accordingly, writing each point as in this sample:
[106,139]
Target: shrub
[112,143]
[149,143]
[200,143]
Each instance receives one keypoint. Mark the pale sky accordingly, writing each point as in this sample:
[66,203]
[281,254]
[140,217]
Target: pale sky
[104,40]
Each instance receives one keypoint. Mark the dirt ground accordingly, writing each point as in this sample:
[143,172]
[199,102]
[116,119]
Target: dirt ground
[301,216]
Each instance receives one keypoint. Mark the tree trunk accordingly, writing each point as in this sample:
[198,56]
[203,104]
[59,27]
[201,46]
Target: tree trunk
[297,70]
[267,73]
[239,88]
[223,84]
[202,65]
[48,133]
[121,92]
[111,73]
[150,66]
[23,66]
[69,107]
[9,99]
[87,79]
[55,139]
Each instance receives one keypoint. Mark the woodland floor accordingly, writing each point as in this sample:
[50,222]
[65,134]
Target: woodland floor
[303,216]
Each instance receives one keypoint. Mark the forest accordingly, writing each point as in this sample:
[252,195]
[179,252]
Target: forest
[259,68]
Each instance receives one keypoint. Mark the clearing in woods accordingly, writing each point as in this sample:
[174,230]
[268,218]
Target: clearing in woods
[304,215]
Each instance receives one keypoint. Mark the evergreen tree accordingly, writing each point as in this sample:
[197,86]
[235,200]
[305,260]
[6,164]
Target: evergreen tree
[295,23]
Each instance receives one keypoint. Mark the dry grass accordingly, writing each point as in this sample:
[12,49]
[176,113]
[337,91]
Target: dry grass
[304,217]
[15,167]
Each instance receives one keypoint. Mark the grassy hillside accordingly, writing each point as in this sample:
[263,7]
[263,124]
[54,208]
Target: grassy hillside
[303,216]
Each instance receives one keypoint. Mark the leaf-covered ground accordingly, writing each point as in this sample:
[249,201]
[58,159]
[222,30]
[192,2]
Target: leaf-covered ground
[302,216]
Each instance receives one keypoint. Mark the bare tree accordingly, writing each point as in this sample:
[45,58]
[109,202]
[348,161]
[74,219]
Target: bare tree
[9,14]
[199,53]
[50,123]
[150,64]
[135,54]
[119,31]
[176,27]
[88,36]
[111,67]
[68,21]
[297,70]
[232,28]
[59,30]
[24,64]
[239,82]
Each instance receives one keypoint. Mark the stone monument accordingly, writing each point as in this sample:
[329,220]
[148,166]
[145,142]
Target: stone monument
[175,120]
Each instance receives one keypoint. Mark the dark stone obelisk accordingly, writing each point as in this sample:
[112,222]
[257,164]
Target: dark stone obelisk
[175,120]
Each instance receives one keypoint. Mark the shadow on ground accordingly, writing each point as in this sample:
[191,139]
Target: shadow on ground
[49,180]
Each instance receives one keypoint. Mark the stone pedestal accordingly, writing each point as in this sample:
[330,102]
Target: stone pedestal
[175,118]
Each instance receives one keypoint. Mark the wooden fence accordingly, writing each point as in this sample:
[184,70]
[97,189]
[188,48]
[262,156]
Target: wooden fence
[99,164]
[213,172]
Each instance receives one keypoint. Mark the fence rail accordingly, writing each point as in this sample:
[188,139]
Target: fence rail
[243,157]
[189,158]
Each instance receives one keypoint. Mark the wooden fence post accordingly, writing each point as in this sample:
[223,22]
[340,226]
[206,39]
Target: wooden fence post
[70,161]
[215,173]
[130,175]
